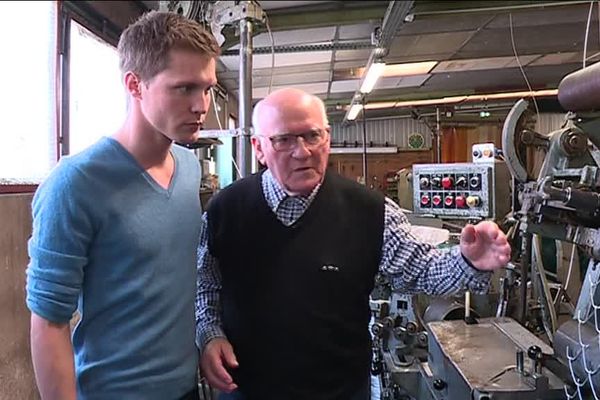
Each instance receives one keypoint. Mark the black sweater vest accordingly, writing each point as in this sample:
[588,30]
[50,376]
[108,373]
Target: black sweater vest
[295,299]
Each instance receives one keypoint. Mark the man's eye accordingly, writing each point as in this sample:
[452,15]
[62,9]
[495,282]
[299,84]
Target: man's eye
[313,136]
[283,139]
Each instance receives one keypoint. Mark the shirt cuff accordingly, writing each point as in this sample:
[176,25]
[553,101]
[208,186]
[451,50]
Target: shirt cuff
[206,334]
[477,281]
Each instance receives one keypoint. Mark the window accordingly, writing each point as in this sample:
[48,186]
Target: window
[97,96]
[28,102]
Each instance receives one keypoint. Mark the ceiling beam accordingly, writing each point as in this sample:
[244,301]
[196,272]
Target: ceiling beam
[429,7]
[311,19]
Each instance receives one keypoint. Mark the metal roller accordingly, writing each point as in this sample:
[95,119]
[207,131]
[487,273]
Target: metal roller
[580,90]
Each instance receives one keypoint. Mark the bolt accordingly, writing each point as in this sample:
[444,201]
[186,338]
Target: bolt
[439,384]
[411,327]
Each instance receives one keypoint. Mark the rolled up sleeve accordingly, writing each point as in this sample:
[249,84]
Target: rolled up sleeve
[61,236]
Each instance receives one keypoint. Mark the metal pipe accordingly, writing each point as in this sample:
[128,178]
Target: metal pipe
[520,361]
[525,263]
[438,134]
[63,72]
[364,154]
[578,91]
[244,150]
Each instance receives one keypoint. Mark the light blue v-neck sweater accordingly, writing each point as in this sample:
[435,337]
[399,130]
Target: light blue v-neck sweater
[109,241]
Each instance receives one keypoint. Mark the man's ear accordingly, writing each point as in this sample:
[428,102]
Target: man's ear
[260,155]
[133,85]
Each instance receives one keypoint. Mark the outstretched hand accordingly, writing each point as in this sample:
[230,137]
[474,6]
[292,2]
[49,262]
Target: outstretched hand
[485,246]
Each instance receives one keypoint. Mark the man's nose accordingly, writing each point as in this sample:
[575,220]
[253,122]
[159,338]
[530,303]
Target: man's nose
[201,103]
[301,149]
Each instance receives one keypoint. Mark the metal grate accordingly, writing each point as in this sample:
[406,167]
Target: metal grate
[587,340]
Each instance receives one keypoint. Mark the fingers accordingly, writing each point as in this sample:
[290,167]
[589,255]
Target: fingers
[215,356]
[468,234]
[229,356]
[489,229]
[485,245]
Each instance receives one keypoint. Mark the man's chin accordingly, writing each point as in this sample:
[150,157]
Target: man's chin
[305,187]
[187,138]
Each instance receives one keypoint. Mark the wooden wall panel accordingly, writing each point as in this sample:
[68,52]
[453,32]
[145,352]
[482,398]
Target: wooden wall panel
[16,371]
[378,165]
[457,142]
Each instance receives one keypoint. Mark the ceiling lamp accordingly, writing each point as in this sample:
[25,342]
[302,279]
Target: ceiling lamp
[354,110]
[373,73]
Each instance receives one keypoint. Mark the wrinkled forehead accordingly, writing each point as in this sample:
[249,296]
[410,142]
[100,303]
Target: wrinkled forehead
[291,118]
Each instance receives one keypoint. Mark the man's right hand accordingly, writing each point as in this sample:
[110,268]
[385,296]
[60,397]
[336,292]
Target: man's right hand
[217,355]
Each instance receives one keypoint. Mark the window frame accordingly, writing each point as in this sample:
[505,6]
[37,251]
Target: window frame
[85,15]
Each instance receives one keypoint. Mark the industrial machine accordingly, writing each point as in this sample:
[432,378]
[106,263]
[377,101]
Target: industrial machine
[528,338]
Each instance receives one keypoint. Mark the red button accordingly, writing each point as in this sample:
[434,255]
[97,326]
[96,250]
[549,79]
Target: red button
[460,201]
[447,182]
[437,200]
[425,200]
[449,200]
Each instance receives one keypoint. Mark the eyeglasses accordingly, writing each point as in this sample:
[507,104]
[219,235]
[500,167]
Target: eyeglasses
[289,141]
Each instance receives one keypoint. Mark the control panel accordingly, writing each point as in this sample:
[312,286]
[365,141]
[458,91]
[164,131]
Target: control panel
[461,190]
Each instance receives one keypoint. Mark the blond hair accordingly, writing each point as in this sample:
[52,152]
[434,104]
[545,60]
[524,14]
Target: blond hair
[145,45]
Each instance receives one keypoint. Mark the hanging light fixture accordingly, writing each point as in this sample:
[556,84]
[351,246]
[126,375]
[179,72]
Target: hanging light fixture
[372,76]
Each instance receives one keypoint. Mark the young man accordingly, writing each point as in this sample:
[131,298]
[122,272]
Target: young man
[288,259]
[115,233]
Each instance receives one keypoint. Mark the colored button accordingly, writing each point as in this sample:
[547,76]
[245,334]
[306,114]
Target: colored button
[437,200]
[447,182]
[449,200]
[473,201]
[460,201]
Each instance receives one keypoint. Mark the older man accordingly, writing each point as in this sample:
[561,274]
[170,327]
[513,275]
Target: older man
[287,260]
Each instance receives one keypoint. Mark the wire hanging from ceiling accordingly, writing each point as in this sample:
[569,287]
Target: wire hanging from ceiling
[514,47]
[587,33]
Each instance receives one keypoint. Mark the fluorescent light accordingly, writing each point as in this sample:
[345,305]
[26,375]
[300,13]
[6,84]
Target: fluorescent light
[408,69]
[354,110]
[373,74]
[404,69]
